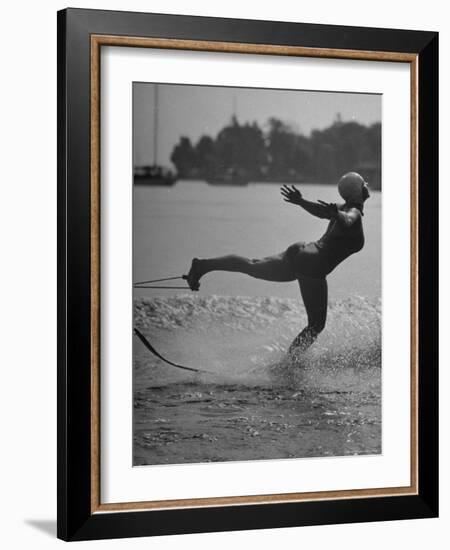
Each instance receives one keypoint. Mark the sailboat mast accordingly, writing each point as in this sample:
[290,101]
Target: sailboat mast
[155,127]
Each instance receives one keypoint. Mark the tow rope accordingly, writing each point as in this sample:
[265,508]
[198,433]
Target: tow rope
[147,344]
[149,285]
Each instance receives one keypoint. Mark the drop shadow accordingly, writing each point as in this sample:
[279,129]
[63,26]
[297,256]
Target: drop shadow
[47,526]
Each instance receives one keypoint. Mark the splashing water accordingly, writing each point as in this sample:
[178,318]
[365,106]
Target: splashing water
[258,403]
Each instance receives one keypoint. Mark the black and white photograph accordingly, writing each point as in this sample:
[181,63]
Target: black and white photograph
[223,317]
[257,251]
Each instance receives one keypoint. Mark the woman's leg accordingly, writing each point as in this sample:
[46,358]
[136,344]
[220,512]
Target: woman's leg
[273,268]
[315,297]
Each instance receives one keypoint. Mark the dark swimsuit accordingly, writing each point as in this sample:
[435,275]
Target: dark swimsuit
[319,258]
[312,262]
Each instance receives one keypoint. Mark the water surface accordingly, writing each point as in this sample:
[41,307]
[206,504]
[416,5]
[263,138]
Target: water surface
[255,404]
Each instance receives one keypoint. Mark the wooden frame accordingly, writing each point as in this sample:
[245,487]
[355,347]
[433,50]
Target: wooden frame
[81,34]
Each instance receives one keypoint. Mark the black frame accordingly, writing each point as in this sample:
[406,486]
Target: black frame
[75,520]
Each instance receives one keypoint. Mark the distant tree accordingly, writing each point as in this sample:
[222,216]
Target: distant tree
[226,147]
[184,158]
[252,153]
[241,149]
[288,152]
[343,147]
[373,138]
[205,156]
[304,157]
[282,153]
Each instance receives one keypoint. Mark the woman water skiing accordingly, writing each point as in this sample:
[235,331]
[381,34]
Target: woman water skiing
[309,263]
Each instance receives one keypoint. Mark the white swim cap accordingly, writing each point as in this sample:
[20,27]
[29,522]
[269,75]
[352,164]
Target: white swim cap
[350,187]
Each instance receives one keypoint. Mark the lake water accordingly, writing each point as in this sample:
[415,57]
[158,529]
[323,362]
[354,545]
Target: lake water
[192,219]
[255,404]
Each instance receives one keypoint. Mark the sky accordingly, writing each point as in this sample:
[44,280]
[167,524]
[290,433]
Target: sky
[191,111]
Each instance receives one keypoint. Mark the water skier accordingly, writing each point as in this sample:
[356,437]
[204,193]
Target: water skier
[309,263]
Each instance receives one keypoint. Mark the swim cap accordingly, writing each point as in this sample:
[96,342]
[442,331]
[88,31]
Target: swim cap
[350,187]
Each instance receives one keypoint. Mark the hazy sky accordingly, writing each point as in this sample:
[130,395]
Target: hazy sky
[186,110]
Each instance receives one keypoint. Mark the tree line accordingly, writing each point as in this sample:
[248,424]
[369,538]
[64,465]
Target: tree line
[278,153]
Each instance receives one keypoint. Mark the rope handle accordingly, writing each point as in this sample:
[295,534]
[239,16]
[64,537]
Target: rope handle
[160,280]
[149,284]
[162,287]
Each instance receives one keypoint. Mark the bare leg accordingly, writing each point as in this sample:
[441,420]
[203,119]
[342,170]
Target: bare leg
[273,268]
[315,297]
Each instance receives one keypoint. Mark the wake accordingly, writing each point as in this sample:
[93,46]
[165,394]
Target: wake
[243,340]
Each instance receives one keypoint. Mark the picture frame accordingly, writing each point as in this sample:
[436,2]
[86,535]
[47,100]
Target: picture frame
[81,36]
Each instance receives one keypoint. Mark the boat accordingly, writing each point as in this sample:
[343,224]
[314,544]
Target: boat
[231,176]
[154,174]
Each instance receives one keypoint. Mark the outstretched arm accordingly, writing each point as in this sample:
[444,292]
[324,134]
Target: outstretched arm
[293,195]
[345,218]
[320,209]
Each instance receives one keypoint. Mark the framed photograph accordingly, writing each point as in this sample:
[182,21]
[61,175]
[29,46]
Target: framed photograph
[247,287]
